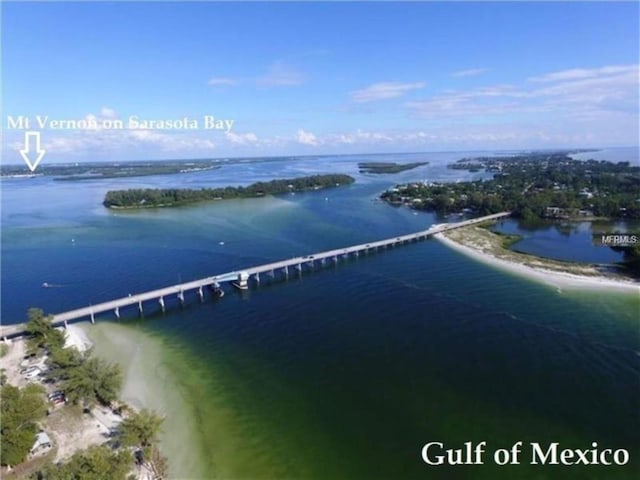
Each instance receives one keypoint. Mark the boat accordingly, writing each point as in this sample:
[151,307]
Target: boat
[46,285]
[216,290]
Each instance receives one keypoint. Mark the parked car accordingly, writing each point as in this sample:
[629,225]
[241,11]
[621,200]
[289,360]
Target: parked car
[33,374]
[55,394]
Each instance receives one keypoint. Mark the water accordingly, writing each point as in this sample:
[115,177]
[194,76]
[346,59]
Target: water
[568,241]
[348,372]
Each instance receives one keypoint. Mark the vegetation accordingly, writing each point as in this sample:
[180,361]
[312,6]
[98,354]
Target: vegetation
[94,463]
[150,198]
[4,348]
[43,336]
[533,186]
[141,429]
[388,167]
[84,379]
[21,409]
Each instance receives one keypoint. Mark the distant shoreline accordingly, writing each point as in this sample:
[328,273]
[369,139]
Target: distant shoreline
[474,244]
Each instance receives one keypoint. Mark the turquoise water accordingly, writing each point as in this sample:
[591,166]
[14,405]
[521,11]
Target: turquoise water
[345,372]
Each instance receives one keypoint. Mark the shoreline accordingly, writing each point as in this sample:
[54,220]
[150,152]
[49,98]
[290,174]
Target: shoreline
[149,383]
[549,277]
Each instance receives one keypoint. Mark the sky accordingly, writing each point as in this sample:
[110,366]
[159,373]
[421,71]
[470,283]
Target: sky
[307,78]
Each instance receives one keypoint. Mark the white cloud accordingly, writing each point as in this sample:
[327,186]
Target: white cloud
[306,138]
[583,73]
[570,94]
[223,81]
[242,138]
[280,74]
[471,72]
[383,91]
[109,113]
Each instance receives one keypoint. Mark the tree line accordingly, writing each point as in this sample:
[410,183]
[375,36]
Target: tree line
[85,381]
[528,185]
[149,197]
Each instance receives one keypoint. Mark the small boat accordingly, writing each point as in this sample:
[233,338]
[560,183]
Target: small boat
[46,285]
[216,290]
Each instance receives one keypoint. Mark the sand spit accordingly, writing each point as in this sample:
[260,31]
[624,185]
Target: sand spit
[469,245]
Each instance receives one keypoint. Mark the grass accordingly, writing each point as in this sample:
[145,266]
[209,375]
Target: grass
[508,239]
[4,348]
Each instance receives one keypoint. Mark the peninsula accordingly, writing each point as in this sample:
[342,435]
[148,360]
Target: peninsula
[535,186]
[532,186]
[492,248]
[155,198]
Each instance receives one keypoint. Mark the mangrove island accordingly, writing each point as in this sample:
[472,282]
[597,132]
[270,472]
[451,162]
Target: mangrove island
[171,197]
[388,167]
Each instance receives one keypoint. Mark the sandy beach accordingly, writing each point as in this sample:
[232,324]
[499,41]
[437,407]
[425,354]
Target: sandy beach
[559,280]
[148,383]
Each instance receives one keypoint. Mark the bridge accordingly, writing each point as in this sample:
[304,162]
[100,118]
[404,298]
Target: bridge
[240,278]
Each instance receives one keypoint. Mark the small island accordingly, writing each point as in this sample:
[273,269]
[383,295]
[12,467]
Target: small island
[388,167]
[172,197]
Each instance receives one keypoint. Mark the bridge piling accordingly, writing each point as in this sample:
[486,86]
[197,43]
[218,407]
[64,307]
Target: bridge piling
[84,313]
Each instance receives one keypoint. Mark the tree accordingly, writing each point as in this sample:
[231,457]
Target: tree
[141,429]
[95,463]
[107,379]
[93,379]
[21,409]
[43,334]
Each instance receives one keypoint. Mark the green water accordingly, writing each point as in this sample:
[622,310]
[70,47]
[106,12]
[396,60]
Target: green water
[345,372]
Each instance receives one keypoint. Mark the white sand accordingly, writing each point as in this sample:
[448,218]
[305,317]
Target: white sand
[75,337]
[555,279]
[148,383]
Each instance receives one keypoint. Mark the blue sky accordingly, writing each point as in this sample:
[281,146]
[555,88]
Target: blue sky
[317,78]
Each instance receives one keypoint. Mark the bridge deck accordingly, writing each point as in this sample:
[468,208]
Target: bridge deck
[138,299]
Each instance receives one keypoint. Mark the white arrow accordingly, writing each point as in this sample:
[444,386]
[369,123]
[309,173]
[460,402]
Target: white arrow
[25,152]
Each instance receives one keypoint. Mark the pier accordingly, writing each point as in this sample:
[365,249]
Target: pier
[240,278]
